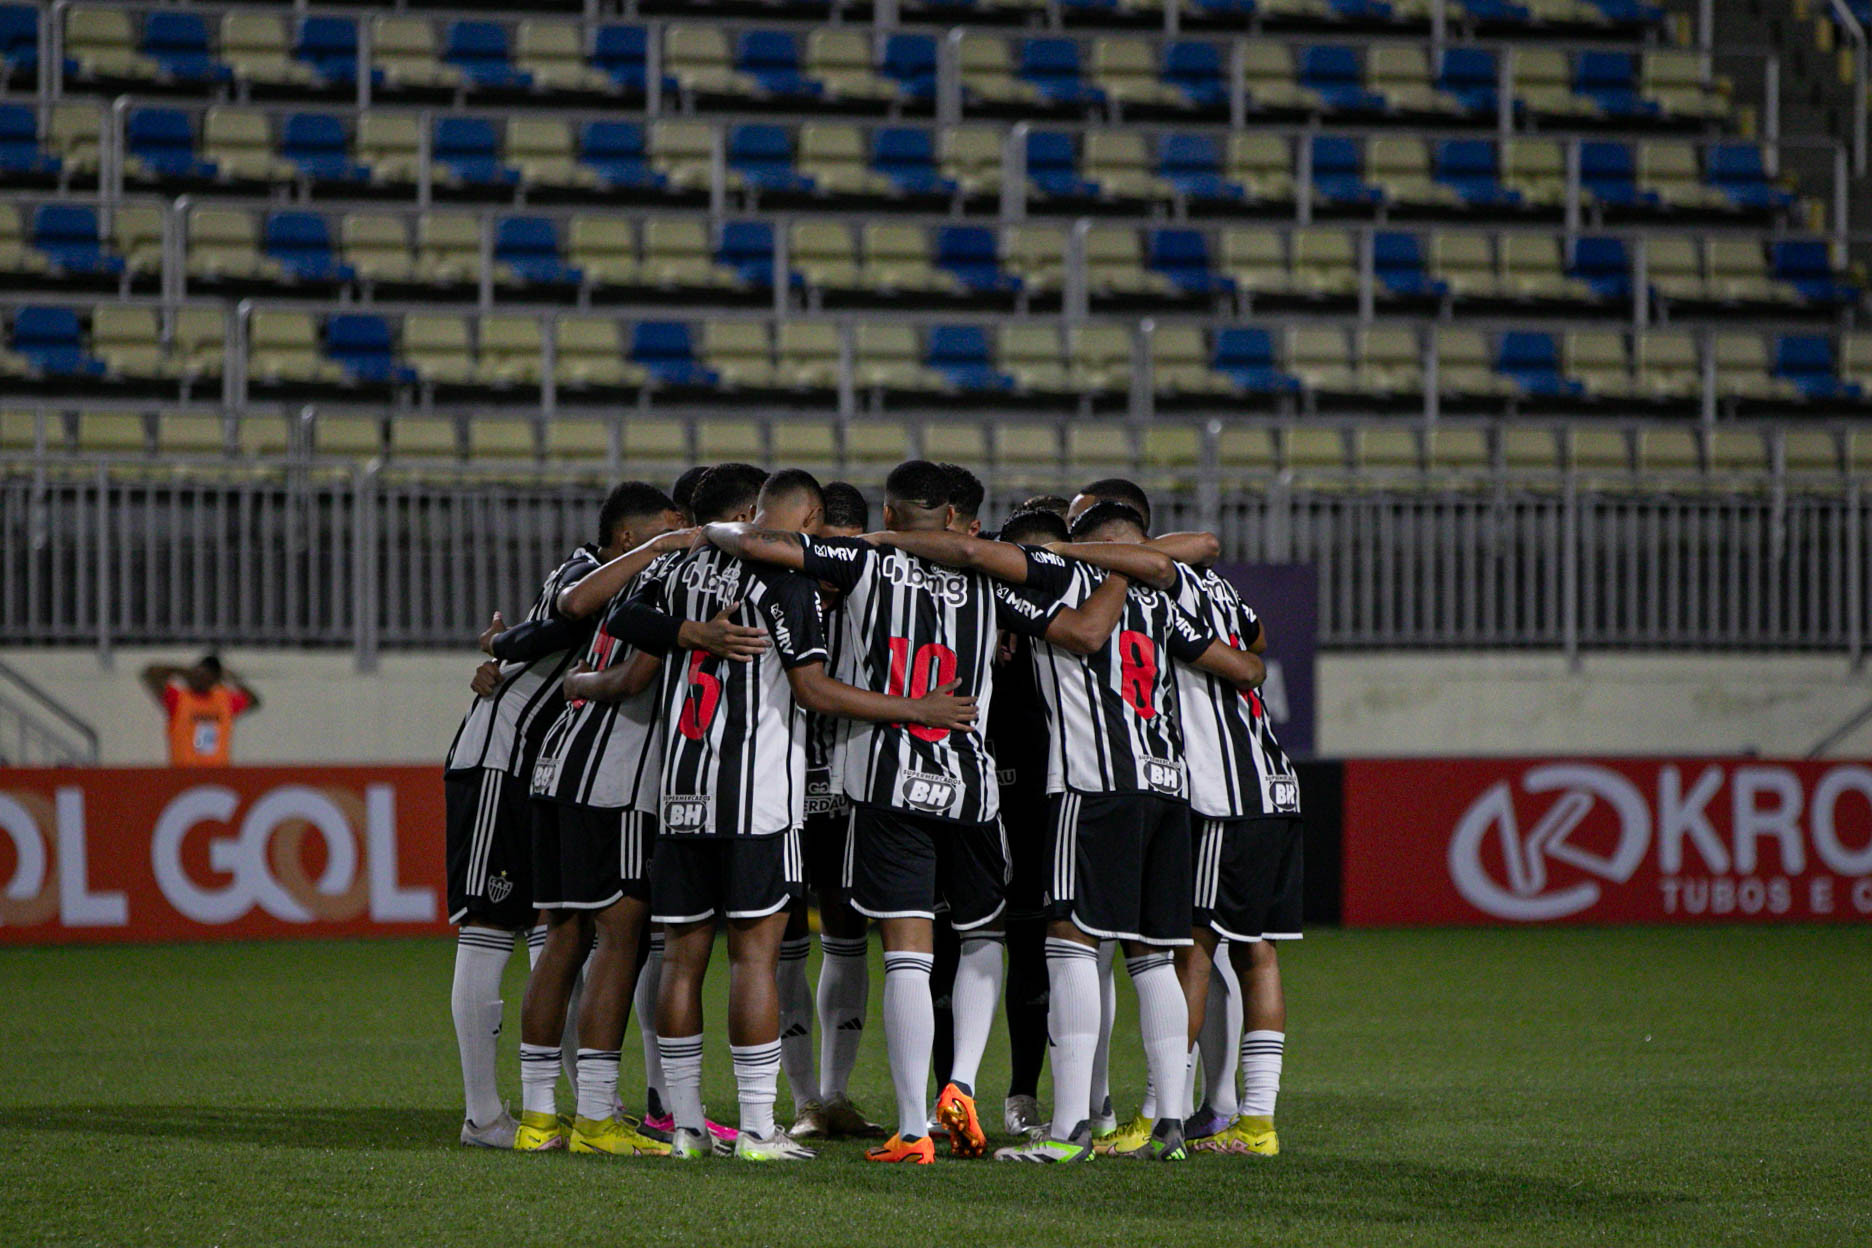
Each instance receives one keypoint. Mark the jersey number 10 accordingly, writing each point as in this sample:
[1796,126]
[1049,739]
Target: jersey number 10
[933,666]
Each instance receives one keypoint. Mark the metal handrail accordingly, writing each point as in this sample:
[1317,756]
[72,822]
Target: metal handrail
[1855,32]
[82,748]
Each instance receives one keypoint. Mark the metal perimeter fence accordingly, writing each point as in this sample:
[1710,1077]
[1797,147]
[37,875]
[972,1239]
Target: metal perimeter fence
[362,559]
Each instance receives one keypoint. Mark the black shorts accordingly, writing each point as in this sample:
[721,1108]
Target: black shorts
[588,857]
[1120,866]
[490,866]
[824,842]
[1248,876]
[904,866]
[1024,819]
[693,878]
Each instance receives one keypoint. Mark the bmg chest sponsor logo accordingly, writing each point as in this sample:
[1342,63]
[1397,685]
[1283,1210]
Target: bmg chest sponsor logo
[943,584]
[688,813]
[707,576]
[932,794]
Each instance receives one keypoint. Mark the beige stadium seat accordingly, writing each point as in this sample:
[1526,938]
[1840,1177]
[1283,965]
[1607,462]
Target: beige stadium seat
[1737,450]
[730,439]
[129,341]
[511,352]
[605,248]
[509,438]
[842,60]
[554,53]
[424,437]
[198,341]
[657,440]
[1402,168]
[1673,267]
[1669,364]
[1465,365]
[404,48]
[1114,266]
[971,155]
[191,433]
[282,348]
[113,433]
[1037,255]
[588,353]
[1810,450]
[138,232]
[223,244]
[1671,170]
[1466,261]
[377,245]
[1597,359]
[803,440]
[349,437]
[1532,268]
[1738,271]
[1668,450]
[1459,448]
[1526,449]
[1742,369]
[1324,261]
[1031,355]
[956,442]
[448,248]
[1246,446]
[890,357]
[254,45]
[1165,445]
[15,255]
[541,149]
[1268,73]
[437,348]
[1127,69]
[987,72]
[104,43]
[677,256]
[1390,360]
[897,261]
[1598,450]
[822,252]
[1098,448]
[1537,169]
[1120,162]
[1318,356]
[1100,357]
[1401,73]
[239,141]
[1386,448]
[1858,452]
[876,442]
[682,151]
[836,159]
[1179,356]
[1543,80]
[1674,80]
[740,351]
[390,144]
[577,439]
[1855,360]
[1256,257]
[1312,447]
[74,133]
[1263,164]
[809,355]
[699,58]
[1027,444]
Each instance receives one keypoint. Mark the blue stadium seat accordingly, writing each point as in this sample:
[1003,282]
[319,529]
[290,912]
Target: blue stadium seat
[20,153]
[482,52]
[1603,264]
[666,349]
[911,61]
[1339,171]
[316,143]
[1183,257]
[1362,10]
[1807,266]
[1630,12]
[763,156]
[1196,70]
[1100,7]
[1225,8]
[1610,79]
[330,46]
[530,247]
[1053,166]
[1499,12]
[179,43]
[68,235]
[1806,361]
[468,148]
[19,39]
[615,150]
[1051,67]
[772,58]
[1532,361]
[302,243]
[1398,267]
[1336,74]
[747,247]
[1473,77]
[960,353]
[164,140]
[1193,164]
[1609,171]
[623,53]
[52,340]
[970,253]
[1472,168]
[1246,357]
[362,346]
[1737,171]
[907,156]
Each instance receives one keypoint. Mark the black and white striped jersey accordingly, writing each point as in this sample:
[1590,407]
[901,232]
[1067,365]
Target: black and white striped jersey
[606,754]
[734,740]
[912,626]
[1112,715]
[1237,768]
[1017,724]
[504,731]
[825,793]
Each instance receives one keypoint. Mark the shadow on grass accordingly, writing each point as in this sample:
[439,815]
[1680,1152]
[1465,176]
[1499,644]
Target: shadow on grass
[372,1129]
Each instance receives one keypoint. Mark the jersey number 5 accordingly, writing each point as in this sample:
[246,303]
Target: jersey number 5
[1137,658]
[933,667]
[704,695]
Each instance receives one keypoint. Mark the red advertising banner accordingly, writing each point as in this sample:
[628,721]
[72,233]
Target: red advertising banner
[145,854]
[1606,840]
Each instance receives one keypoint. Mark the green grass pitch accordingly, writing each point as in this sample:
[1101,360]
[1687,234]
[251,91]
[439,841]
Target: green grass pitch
[1618,1087]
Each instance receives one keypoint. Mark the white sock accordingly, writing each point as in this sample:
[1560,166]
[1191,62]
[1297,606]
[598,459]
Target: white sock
[1108,1006]
[1261,1054]
[909,1031]
[1148,1110]
[1220,1038]
[796,1011]
[481,955]
[844,994]
[757,1081]
[682,1078]
[1163,1021]
[597,1083]
[975,999]
[1073,1028]
[649,980]
[536,942]
[539,1078]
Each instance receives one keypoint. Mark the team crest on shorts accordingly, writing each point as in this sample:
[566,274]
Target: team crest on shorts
[686,813]
[1164,776]
[932,794]
[499,888]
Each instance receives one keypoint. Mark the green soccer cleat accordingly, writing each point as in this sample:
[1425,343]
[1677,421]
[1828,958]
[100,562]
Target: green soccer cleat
[1164,1143]
[777,1147]
[1051,1152]
[688,1145]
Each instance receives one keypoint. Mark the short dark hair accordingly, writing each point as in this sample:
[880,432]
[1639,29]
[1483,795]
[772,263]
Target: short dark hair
[627,501]
[845,506]
[965,491]
[211,663]
[1035,526]
[1119,490]
[1098,515]
[683,492]
[789,482]
[1047,502]
[919,483]
[724,490]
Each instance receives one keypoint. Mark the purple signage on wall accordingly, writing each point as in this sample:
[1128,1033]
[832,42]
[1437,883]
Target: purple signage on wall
[1286,596]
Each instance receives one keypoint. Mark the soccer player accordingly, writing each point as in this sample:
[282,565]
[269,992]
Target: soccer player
[822,1104]
[591,851]
[734,798]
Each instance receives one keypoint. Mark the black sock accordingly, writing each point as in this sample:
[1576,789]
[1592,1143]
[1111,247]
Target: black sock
[942,996]
[1026,1004]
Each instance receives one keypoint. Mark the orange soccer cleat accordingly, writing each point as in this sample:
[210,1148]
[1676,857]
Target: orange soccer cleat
[955,1109]
[917,1153]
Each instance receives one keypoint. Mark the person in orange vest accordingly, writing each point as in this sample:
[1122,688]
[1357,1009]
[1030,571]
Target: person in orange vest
[202,703]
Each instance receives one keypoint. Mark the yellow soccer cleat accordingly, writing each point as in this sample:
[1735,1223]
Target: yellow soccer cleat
[1246,1137]
[539,1133]
[1127,1138]
[616,1137]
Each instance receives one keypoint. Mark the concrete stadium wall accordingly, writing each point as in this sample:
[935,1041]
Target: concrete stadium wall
[320,709]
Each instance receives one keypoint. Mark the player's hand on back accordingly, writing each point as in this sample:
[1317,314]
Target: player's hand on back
[569,686]
[941,708]
[487,677]
[495,628]
[724,638]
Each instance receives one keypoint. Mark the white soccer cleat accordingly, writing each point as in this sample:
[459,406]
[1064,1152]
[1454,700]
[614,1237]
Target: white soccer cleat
[1021,1115]
[496,1134]
[777,1147]
[688,1145]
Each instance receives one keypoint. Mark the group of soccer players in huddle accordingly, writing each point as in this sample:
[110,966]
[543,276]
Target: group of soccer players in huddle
[1015,754]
